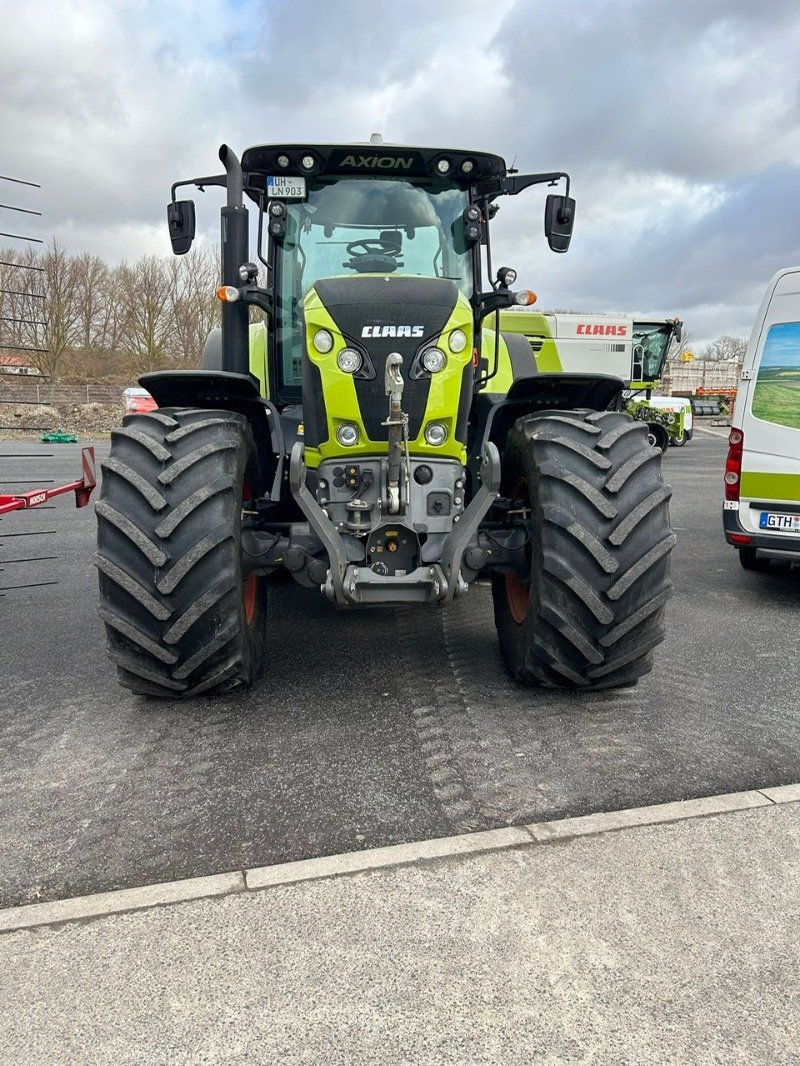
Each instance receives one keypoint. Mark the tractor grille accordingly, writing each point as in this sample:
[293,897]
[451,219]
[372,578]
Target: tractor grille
[378,302]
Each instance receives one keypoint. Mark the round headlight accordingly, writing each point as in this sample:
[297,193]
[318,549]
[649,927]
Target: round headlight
[349,360]
[467,166]
[277,209]
[457,341]
[443,166]
[323,341]
[307,162]
[435,433]
[347,434]
[283,161]
[434,360]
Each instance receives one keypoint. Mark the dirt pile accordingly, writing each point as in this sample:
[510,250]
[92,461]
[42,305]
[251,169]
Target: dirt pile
[89,421]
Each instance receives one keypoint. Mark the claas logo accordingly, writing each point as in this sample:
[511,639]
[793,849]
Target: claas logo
[590,329]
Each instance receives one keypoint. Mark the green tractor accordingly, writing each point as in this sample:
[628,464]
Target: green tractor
[377,436]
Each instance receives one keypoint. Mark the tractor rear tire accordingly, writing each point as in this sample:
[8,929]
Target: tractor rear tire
[592,609]
[181,618]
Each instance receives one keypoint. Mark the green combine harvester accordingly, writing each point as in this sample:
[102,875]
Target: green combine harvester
[633,349]
[378,437]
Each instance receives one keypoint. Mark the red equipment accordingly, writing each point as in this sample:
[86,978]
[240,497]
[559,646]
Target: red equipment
[82,489]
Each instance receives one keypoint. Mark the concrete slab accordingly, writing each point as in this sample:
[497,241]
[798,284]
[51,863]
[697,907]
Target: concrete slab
[378,858]
[670,944]
[591,824]
[783,793]
[126,899]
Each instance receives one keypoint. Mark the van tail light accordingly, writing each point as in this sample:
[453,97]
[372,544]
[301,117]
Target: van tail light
[733,464]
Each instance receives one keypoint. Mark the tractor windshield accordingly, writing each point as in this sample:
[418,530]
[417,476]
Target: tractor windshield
[650,344]
[351,226]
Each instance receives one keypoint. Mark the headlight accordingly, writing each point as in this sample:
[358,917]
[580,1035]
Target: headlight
[434,360]
[323,341]
[457,341]
[435,433]
[349,360]
[347,434]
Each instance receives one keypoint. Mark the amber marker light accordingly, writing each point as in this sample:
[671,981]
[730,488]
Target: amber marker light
[228,294]
[525,298]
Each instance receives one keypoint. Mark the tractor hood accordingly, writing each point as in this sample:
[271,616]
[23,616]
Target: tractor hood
[378,315]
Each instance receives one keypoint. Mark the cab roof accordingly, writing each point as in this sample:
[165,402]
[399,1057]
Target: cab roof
[462,166]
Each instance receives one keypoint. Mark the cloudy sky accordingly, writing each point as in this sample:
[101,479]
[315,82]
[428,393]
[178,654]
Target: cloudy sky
[679,121]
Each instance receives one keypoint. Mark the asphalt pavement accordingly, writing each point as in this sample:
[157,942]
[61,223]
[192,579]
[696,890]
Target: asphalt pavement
[366,728]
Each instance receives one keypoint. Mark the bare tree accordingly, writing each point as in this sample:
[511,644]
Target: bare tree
[52,326]
[726,349]
[90,273]
[195,308]
[146,294]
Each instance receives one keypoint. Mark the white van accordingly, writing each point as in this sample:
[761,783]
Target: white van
[676,404]
[761,513]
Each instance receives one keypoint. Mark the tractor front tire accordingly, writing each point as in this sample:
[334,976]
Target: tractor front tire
[181,618]
[591,610]
[657,436]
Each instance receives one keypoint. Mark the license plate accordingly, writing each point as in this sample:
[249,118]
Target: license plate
[284,187]
[786,523]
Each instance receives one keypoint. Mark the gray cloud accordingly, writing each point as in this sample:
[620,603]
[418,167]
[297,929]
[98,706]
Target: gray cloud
[678,122]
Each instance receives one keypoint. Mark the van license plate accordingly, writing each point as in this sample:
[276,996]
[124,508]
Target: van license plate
[786,523]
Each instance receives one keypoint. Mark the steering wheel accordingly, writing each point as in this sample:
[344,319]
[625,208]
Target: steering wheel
[371,246]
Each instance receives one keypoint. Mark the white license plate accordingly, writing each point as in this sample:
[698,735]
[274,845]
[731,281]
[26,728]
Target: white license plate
[785,523]
[284,187]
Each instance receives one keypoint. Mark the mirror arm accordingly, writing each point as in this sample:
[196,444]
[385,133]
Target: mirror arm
[494,301]
[518,182]
[200,183]
[263,298]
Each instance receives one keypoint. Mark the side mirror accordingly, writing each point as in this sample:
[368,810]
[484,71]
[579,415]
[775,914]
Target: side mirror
[181,222]
[559,216]
[678,333]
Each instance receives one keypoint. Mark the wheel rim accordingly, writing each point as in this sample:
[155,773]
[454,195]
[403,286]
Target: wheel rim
[249,590]
[517,592]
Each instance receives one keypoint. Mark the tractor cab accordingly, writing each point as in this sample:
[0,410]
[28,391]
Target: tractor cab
[651,341]
[356,220]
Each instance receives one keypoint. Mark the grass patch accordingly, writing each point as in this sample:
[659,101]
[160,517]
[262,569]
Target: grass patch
[778,403]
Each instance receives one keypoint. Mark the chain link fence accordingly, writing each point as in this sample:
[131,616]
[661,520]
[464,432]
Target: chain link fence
[32,390]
